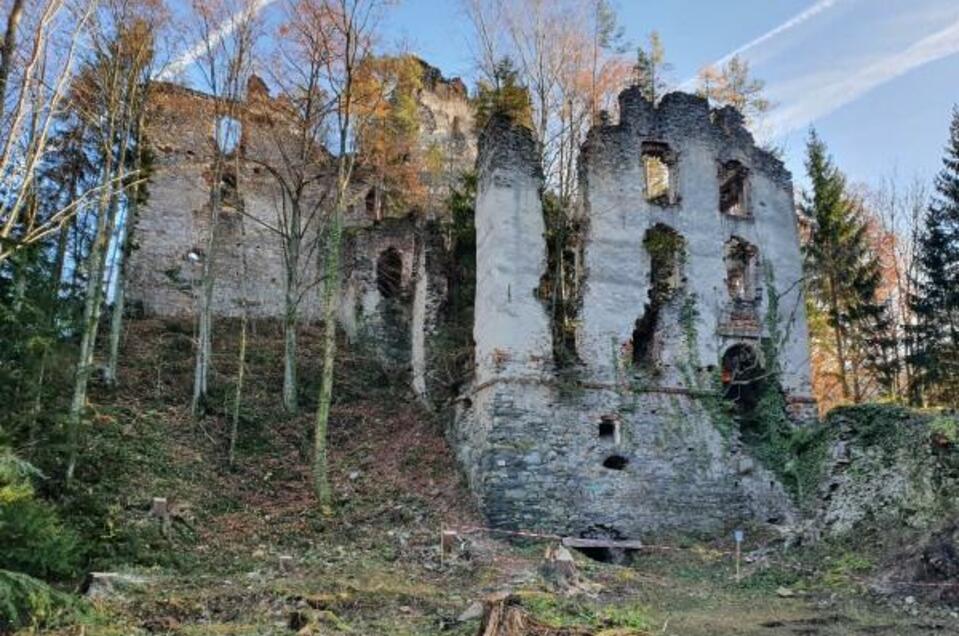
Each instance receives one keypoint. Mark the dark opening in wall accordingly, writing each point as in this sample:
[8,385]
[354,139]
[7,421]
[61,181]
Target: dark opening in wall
[389,273]
[666,248]
[615,462]
[372,204]
[618,556]
[607,428]
[659,172]
[733,189]
[743,384]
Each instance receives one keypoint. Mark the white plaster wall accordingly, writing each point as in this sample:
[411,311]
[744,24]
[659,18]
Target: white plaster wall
[511,324]
[617,265]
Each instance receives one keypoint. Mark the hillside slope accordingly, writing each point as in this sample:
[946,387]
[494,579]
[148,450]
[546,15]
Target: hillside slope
[375,567]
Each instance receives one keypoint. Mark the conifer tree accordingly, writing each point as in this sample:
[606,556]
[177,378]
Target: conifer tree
[935,302]
[842,276]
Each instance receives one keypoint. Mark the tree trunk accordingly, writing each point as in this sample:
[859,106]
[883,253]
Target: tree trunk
[123,254]
[7,50]
[204,345]
[290,389]
[331,292]
[92,306]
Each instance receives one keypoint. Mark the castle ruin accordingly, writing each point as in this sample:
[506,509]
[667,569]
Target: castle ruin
[688,270]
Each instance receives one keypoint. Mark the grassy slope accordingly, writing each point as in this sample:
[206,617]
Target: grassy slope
[374,568]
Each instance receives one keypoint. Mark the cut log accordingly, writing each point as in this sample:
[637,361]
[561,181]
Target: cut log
[576,542]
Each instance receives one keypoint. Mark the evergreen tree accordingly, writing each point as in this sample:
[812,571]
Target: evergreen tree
[650,67]
[504,96]
[935,302]
[843,276]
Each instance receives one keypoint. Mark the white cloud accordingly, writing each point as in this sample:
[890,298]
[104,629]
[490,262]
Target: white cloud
[791,23]
[823,91]
[219,34]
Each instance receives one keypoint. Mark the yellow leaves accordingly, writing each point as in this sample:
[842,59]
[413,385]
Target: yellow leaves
[13,493]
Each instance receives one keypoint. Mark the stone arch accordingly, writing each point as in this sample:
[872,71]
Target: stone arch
[389,273]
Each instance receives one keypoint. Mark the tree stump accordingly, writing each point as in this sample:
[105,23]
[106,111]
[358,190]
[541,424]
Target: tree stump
[503,615]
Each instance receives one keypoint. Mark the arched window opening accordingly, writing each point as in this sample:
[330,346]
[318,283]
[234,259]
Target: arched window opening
[666,249]
[389,273]
[659,163]
[733,189]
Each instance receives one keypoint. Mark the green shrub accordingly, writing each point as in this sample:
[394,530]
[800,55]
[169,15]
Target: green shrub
[34,539]
[24,599]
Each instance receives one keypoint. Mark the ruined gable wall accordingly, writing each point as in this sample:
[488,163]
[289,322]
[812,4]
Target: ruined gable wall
[619,215]
[593,451]
[174,223]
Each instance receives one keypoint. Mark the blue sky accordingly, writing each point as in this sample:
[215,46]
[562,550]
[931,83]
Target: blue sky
[858,70]
[877,78]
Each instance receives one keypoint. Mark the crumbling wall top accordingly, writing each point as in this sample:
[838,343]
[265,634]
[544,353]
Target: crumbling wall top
[506,144]
[678,118]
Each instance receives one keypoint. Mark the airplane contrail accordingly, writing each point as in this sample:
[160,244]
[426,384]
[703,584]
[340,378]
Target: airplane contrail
[791,23]
[828,91]
[223,31]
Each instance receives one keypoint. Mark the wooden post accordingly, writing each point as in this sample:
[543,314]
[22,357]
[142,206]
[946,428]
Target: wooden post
[447,541]
[160,508]
[738,536]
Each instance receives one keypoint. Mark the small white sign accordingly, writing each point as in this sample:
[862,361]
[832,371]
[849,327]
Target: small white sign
[738,535]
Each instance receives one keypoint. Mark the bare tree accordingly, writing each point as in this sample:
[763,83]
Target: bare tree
[339,33]
[109,89]
[569,57]
[227,33]
[34,77]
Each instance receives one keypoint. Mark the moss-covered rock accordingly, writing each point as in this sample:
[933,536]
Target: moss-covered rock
[883,467]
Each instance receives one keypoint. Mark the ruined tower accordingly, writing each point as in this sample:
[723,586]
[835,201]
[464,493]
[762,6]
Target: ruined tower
[691,266]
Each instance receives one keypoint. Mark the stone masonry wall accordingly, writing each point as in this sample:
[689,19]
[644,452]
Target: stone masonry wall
[621,449]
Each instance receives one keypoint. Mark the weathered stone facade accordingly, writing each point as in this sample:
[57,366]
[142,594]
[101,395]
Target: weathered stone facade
[689,230]
[171,229]
[688,272]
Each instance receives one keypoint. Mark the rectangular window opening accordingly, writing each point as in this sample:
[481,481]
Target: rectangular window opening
[658,169]
[733,189]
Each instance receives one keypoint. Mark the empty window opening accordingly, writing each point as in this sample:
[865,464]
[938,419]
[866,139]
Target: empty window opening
[615,462]
[609,429]
[733,182]
[666,249]
[229,193]
[659,172]
[373,204]
[228,132]
[742,377]
[741,259]
[389,273]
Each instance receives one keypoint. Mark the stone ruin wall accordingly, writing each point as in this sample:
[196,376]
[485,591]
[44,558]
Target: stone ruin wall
[533,444]
[626,450]
[165,269]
